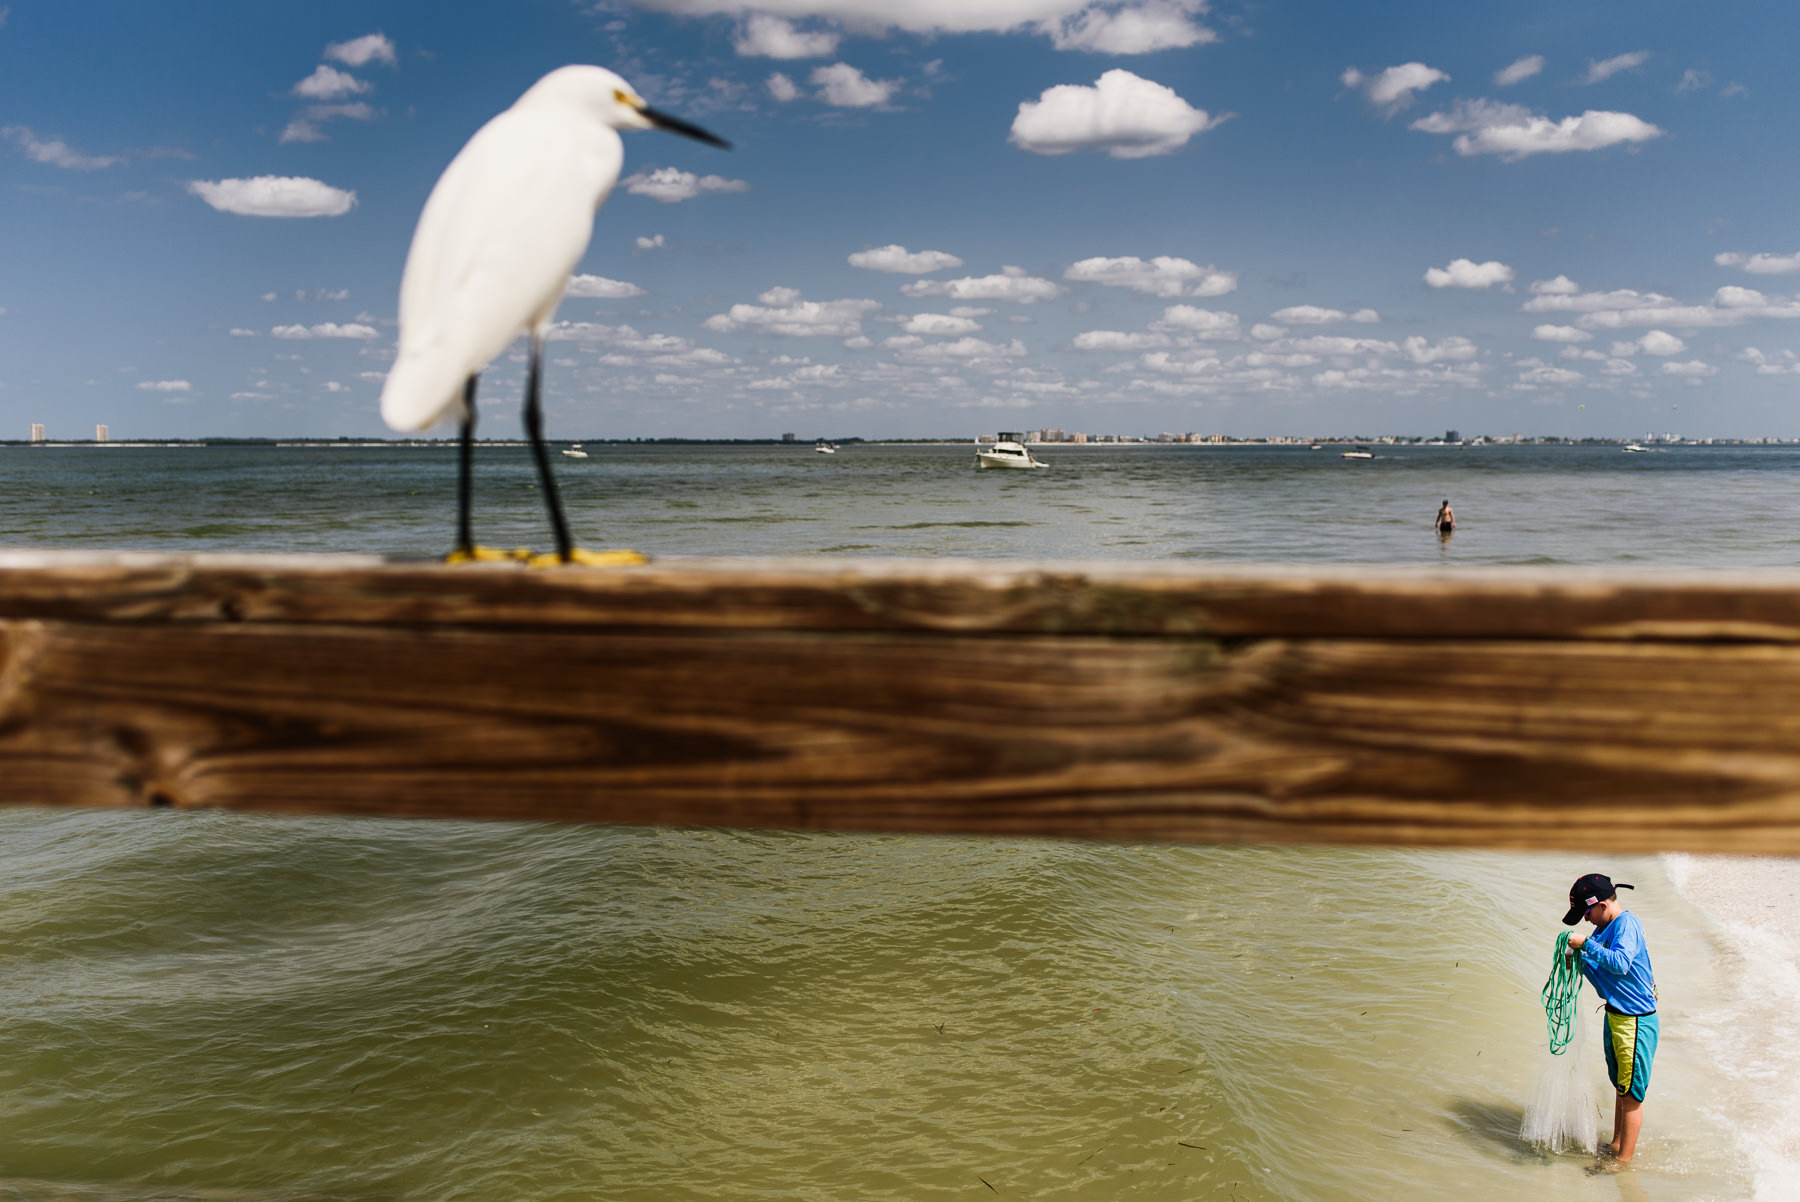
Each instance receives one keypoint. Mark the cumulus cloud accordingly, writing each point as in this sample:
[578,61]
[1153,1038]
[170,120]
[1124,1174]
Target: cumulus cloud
[1163,276]
[1466,273]
[1562,285]
[896,258]
[591,287]
[939,325]
[360,52]
[1521,69]
[1694,369]
[959,350]
[1543,373]
[1116,340]
[1393,89]
[671,185]
[274,196]
[1624,307]
[844,86]
[1512,131]
[328,83]
[764,35]
[56,152]
[1658,342]
[1012,284]
[327,329]
[782,88]
[1599,69]
[652,242]
[1775,364]
[1760,264]
[1126,116]
[239,332]
[1549,333]
[1314,315]
[781,311]
[1453,349]
[1137,29]
[1198,323]
[165,386]
[305,125]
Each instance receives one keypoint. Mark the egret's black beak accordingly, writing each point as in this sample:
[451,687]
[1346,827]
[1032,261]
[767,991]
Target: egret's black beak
[676,125]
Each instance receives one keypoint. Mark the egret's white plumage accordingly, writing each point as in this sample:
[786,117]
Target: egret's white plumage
[499,236]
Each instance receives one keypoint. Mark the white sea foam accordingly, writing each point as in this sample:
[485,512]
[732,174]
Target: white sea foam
[1752,1038]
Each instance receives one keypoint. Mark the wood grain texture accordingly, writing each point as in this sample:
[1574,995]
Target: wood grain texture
[1515,709]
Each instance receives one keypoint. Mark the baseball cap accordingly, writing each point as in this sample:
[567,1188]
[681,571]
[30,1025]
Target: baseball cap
[1589,891]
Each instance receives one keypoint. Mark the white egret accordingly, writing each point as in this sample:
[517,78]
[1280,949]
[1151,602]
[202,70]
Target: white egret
[500,234]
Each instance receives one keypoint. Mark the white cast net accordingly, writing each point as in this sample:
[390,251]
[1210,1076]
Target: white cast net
[1562,1114]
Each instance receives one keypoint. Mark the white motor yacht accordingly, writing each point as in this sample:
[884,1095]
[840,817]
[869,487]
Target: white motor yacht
[1006,451]
[575,452]
[825,448]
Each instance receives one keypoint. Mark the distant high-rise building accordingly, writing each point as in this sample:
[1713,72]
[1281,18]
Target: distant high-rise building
[101,433]
[1452,435]
[37,431]
[787,438]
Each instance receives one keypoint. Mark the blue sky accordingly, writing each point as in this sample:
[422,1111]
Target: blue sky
[940,217]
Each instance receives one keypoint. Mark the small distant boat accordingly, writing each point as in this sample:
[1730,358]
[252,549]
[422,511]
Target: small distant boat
[825,448]
[1317,446]
[1632,446]
[575,452]
[1359,453]
[1007,451]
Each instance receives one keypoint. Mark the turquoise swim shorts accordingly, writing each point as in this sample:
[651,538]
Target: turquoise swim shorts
[1630,1041]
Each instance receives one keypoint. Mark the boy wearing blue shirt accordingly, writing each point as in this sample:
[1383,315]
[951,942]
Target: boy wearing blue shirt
[1616,962]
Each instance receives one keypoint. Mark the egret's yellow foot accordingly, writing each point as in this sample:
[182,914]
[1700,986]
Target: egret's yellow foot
[590,559]
[479,554]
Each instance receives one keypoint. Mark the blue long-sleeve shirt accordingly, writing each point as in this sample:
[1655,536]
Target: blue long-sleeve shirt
[1616,962]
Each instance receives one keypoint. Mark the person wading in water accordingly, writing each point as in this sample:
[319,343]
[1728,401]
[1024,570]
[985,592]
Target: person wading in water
[1446,518]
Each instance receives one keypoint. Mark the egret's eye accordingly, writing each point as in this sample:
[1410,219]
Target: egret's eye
[624,98]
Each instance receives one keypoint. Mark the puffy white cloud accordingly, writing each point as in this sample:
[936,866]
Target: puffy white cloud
[1012,284]
[274,196]
[766,36]
[1627,307]
[1760,264]
[1125,115]
[360,52]
[1512,131]
[1314,315]
[305,125]
[1198,323]
[782,88]
[1116,340]
[165,386]
[1264,332]
[239,332]
[844,86]
[328,329]
[1163,276]
[56,152]
[1658,342]
[328,83]
[671,185]
[1453,349]
[1548,333]
[1778,363]
[898,259]
[1562,285]
[588,287]
[939,324]
[1393,89]
[1562,301]
[1521,69]
[1599,69]
[653,242]
[1693,369]
[1466,273]
[1543,373]
[1693,80]
[962,349]
[781,311]
[1133,29]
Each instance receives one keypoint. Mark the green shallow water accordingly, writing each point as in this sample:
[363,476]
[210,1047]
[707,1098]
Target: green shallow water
[223,1007]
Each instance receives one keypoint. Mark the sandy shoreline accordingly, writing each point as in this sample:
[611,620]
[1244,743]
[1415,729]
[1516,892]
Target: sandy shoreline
[1756,891]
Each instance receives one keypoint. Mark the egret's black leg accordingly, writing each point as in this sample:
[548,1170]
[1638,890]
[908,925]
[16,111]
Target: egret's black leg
[534,429]
[465,538]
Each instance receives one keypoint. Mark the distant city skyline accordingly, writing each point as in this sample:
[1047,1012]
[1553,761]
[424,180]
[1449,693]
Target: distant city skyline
[1146,215]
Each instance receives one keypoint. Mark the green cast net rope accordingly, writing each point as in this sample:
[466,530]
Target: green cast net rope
[1559,995]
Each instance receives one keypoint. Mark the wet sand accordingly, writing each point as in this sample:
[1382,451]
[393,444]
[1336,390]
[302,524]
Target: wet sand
[1756,891]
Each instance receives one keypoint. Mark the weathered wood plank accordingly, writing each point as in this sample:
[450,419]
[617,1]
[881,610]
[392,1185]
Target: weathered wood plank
[1099,702]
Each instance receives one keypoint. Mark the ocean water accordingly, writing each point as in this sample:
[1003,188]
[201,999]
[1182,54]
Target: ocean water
[224,1007]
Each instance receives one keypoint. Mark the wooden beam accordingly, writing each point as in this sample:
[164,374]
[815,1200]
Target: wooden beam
[1504,708]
